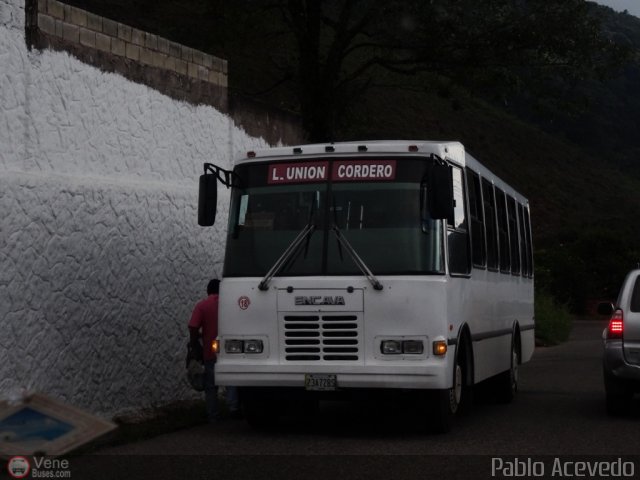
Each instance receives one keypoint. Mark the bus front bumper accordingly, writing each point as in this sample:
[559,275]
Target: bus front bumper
[410,377]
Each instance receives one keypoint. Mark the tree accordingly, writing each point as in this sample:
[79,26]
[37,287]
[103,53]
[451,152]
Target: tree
[331,51]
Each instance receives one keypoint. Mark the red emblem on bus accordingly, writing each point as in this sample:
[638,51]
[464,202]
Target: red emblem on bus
[244,302]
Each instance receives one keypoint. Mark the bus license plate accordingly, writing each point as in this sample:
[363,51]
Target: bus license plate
[320,382]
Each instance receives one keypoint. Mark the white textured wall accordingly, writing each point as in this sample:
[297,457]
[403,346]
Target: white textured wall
[101,258]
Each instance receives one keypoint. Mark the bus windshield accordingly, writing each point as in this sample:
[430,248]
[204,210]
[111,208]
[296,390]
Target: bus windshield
[380,219]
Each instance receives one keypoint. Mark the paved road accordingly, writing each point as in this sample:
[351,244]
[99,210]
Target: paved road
[559,411]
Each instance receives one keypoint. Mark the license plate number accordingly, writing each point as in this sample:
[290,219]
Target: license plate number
[320,382]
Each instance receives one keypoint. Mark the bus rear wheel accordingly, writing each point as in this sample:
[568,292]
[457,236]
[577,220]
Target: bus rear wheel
[507,382]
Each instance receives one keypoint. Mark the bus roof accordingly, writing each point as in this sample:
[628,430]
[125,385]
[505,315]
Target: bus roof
[450,150]
[376,146]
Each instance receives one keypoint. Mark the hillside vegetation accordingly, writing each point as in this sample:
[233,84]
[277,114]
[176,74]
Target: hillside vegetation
[585,209]
[571,146]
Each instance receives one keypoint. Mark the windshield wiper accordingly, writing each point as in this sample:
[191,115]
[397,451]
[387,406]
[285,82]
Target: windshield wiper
[312,214]
[308,229]
[356,258]
[290,252]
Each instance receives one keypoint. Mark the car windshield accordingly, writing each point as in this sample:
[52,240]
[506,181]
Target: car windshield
[380,219]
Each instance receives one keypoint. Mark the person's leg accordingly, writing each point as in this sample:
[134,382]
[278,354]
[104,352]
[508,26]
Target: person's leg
[211,391]
[232,401]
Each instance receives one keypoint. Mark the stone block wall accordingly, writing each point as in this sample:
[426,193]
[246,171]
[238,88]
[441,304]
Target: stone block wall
[176,70]
[173,69]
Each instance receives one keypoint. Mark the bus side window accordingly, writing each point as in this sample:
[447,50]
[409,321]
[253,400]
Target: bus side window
[527,224]
[524,241]
[476,215]
[489,201]
[513,236]
[527,215]
[503,232]
[458,234]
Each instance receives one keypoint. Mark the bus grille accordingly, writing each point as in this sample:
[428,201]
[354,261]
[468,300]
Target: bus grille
[316,337]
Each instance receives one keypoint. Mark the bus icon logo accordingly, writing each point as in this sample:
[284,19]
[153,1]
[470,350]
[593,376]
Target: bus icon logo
[18,467]
[244,302]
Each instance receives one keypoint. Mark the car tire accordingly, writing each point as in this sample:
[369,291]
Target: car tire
[618,396]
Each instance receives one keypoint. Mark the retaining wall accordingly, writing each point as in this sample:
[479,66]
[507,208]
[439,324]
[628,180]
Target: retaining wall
[176,70]
[173,69]
[101,258]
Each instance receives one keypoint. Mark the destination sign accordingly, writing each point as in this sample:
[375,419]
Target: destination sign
[298,172]
[342,171]
[364,170]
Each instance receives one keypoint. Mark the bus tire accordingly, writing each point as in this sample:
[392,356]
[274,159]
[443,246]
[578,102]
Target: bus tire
[507,382]
[465,357]
[441,419]
[448,403]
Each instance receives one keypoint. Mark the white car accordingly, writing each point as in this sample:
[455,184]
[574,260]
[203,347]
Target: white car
[621,359]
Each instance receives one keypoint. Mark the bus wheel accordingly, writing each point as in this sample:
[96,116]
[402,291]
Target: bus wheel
[446,403]
[507,382]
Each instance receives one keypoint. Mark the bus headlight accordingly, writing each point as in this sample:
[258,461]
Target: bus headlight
[391,347]
[243,346]
[253,346]
[399,347]
[412,347]
[233,346]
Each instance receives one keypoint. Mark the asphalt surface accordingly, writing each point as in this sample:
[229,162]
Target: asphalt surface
[559,411]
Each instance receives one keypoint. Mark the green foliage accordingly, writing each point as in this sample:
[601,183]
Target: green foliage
[586,265]
[553,320]
[336,49]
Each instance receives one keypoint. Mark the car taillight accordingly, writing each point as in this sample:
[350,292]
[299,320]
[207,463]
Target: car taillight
[616,325]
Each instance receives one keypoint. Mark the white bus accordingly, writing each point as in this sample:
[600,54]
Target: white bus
[402,265]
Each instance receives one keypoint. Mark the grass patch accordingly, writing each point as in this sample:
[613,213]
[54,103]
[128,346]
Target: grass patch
[553,320]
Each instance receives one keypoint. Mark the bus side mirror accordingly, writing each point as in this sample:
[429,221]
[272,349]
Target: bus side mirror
[207,200]
[440,192]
